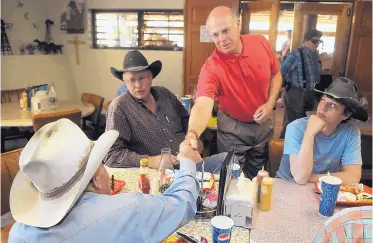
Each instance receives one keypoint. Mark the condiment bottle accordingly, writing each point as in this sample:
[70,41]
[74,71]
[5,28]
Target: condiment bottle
[144,183]
[266,193]
[259,177]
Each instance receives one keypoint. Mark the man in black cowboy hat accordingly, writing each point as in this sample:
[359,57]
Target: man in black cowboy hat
[325,142]
[147,118]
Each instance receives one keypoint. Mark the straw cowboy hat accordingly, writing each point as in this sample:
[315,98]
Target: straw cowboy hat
[344,90]
[134,61]
[55,168]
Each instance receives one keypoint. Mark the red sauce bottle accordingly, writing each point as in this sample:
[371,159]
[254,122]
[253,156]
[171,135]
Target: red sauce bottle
[144,182]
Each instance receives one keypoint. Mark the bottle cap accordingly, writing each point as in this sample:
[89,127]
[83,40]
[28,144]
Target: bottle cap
[144,162]
[262,173]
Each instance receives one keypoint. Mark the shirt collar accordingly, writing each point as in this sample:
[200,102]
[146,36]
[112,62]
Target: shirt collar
[152,91]
[245,53]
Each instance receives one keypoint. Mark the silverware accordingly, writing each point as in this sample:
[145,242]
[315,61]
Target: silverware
[186,237]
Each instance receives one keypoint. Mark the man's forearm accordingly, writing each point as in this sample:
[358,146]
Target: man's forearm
[301,168]
[200,115]
[274,89]
[346,177]
[119,157]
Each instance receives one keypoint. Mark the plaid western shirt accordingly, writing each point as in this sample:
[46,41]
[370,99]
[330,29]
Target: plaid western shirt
[291,68]
[349,225]
[142,133]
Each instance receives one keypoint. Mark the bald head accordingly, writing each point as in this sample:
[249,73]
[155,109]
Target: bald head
[220,12]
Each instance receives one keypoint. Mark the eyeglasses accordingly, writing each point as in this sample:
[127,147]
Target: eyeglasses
[141,79]
[328,106]
[224,32]
[316,41]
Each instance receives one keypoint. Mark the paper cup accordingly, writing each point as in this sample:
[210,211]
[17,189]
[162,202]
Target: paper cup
[330,188]
[186,103]
[236,171]
[221,227]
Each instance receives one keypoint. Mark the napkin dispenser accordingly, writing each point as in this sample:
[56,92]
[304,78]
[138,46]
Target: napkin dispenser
[40,101]
[241,202]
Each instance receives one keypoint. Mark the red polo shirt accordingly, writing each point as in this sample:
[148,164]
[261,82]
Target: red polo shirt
[241,83]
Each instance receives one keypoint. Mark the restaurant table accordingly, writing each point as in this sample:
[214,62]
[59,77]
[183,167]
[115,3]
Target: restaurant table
[293,217]
[13,116]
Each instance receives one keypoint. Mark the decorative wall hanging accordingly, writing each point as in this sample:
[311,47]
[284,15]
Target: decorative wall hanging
[72,20]
[20,4]
[6,49]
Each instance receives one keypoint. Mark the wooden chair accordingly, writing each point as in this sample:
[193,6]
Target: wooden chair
[276,149]
[366,154]
[94,118]
[11,96]
[9,169]
[40,120]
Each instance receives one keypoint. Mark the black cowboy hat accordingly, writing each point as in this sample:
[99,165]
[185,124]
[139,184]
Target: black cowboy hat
[344,90]
[134,61]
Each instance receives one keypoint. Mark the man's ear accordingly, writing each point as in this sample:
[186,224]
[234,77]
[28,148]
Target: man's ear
[346,116]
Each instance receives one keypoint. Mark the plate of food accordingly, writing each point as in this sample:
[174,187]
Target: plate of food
[352,195]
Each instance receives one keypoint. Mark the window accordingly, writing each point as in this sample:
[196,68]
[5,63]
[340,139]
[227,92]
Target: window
[149,30]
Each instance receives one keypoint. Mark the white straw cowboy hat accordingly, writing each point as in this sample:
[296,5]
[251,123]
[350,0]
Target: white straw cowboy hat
[55,168]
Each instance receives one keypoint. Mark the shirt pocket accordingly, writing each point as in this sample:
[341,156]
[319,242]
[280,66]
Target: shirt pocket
[174,122]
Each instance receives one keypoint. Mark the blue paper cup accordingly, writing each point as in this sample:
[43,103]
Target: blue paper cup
[186,103]
[236,171]
[221,227]
[329,193]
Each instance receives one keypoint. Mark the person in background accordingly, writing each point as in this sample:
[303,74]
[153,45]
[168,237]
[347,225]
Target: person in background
[326,142]
[244,75]
[299,96]
[148,118]
[349,225]
[285,48]
[72,201]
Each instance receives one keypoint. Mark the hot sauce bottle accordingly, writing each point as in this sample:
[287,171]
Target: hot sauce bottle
[144,183]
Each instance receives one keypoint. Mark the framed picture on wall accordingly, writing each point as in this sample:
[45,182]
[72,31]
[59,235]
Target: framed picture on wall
[72,19]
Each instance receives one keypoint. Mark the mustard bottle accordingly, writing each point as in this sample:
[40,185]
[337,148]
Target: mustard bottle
[266,194]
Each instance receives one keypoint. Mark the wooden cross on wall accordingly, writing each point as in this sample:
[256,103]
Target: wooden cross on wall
[76,42]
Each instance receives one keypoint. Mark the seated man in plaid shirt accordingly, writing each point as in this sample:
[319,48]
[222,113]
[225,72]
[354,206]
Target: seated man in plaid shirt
[147,118]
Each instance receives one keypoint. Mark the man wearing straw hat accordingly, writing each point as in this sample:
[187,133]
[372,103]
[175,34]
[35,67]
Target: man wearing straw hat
[62,193]
[325,142]
[148,118]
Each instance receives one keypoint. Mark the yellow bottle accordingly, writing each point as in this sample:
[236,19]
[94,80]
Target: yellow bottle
[266,194]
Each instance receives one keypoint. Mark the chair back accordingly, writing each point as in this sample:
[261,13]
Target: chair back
[97,101]
[39,120]
[366,154]
[276,150]
[11,96]
[9,169]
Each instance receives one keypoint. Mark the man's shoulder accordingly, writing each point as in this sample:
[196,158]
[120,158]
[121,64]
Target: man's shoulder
[348,128]
[119,101]
[251,38]
[300,123]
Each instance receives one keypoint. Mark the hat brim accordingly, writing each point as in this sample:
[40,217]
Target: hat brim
[155,68]
[28,207]
[358,110]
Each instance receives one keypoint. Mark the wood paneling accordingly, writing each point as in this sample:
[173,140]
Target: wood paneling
[359,60]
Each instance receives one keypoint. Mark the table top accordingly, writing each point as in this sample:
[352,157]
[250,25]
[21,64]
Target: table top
[13,116]
[293,218]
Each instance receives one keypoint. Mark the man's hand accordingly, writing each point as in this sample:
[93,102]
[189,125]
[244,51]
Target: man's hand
[263,113]
[186,151]
[191,140]
[314,125]
[154,161]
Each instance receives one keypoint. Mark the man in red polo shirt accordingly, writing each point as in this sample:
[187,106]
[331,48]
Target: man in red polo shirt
[243,74]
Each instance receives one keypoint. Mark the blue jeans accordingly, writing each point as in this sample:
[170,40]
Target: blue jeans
[213,163]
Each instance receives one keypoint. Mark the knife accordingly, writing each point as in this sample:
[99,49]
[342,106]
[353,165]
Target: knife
[186,237]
